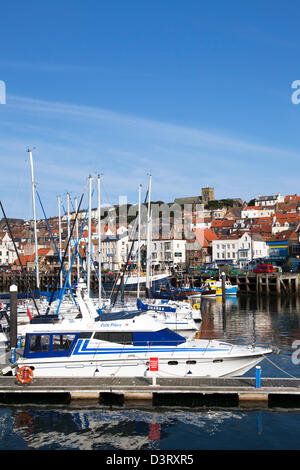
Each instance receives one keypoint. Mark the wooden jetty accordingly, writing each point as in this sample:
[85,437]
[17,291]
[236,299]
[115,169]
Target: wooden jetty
[281,284]
[195,391]
[250,283]
[268,284]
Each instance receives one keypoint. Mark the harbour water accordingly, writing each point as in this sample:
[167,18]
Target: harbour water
[140,426]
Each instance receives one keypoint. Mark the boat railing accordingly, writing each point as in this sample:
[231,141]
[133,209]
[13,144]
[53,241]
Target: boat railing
[207,346]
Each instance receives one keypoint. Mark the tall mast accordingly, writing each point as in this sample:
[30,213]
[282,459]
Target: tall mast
[99,241]
[76,228]
[59,230]
[150,243]
[89,237]
[34,222]
[148,235]
[139,245]
[69,230]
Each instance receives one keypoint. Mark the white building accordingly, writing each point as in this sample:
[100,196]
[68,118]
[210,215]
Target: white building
[7,251]
[168,253]
[256,212]
[269,200]
[114,252]
[239,249]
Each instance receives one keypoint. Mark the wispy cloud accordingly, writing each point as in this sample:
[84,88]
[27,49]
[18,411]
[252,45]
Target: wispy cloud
[167,132]
[73,140]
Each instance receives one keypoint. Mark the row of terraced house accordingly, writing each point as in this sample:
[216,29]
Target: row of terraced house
[208,232]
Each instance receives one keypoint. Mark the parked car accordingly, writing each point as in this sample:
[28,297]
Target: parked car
[264,268]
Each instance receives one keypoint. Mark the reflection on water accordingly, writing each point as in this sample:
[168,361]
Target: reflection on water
[244,320]
[145,429]
[253,320]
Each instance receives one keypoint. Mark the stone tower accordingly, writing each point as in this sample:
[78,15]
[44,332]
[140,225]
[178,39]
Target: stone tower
[208,194]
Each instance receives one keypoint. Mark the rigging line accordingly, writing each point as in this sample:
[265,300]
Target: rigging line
[77,251]
[73,239]
[106,194]
[64,256]
[128,257]
[57,252]
[17,253]
[128,276]
[70,268]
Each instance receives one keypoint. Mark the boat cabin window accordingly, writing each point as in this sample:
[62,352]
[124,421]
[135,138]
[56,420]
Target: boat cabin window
[121,337]
[61,342]
[85,334]
[39,343]
[47,345]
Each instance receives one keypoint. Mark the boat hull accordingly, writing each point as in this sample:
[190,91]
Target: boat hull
[134,362]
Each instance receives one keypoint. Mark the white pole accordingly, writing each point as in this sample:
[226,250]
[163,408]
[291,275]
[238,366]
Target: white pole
[150,242]
[69,231]
[34,221]
[76,228]
[89,237]
[139,245]
[148,235]
[59,233]
[99,241]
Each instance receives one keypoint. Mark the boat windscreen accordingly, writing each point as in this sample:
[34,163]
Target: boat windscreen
[120,315]
[163,337]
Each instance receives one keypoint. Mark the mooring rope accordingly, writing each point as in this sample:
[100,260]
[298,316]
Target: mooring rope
[282,370]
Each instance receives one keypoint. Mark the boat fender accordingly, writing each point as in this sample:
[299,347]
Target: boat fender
[24,374]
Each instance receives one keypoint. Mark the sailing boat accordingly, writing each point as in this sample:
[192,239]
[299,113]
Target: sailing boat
[178,316]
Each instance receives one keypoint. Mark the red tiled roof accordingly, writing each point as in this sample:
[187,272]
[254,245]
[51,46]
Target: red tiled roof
[205,236]
[264,220]
[291,197]
[43,251]
[288,215]
[222,223]
[25,259]
[284,235]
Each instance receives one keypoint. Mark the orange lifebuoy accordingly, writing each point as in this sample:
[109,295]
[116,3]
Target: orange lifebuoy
[24,374]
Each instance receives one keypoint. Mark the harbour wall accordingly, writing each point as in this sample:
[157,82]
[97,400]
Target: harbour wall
[260,284]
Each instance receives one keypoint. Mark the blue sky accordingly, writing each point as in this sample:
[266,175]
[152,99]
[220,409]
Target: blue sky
[195,93]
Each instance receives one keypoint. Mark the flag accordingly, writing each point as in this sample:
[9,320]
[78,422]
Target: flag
[29,314]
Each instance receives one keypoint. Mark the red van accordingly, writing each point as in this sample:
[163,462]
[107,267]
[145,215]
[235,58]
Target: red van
[264,268]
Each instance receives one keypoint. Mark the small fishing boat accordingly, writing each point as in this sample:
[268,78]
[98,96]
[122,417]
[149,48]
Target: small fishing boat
[179,307]
[157,280]
[175,318]
[230,289]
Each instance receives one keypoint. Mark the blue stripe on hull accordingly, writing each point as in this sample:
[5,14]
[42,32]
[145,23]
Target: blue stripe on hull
[81,348]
